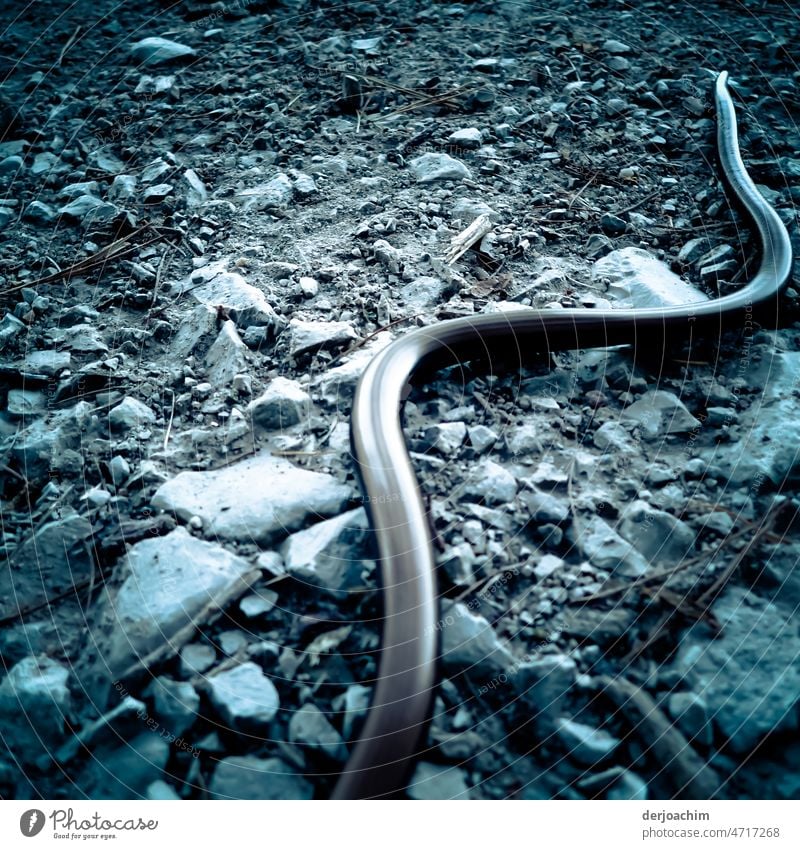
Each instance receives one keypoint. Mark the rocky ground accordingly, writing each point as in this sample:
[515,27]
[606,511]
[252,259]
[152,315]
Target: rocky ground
[211,215]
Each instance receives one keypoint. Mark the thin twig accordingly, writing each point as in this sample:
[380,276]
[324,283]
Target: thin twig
[70,41]
[169,423]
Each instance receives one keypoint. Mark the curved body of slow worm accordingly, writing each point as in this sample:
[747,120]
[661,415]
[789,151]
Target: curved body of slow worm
[397,721]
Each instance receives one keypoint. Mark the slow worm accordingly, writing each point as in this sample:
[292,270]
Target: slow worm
[398,717]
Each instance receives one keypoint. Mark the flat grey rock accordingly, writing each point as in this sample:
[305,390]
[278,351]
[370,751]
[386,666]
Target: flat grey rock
[543,684]
[470,644]
[659,536]
[89,209]
[691,252]
[310,728]
[469,137]
[589,746]
[122,188]
[47,362]
[75,190]
[199,324]
[195,191]
[130,413]
[248,777]
[170,584]
[227,357]
[196,658]
[106,162]
[767,447]
[491,483]
[160,51]
[11,165]
[81,338]
[25,403]
[438,166]
[10,326]
[422,293]
[544,508]
[308,337]
[613,437]
[39,213]
[331,555]
[337,385]
[467,210]
[155,170]
[46,564]
[524,439]
[175,704]
[127,769]
[283,403]
[390,257]
[244,697]
[259,603]
[433,781]
[638,279]
[481,438]
[47,163]
[659,413]
[457,562]
[260,499]
[215,287]
[157,193]
[35,705]
[606,549]
[274,194]
[446,438]
[748,676]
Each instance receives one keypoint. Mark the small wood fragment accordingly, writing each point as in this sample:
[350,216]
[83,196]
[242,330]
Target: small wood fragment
[463,241]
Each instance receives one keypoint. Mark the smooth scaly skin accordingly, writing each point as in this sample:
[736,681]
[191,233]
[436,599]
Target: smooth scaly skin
[400,711]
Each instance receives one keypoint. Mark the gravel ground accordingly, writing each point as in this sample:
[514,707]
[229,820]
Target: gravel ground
[211,216]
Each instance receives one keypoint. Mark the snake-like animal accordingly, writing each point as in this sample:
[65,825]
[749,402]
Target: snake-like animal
[397,721]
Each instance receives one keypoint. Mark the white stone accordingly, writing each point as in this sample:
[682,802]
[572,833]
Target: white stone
[258,499]
[438,166]
[310,727]
[659,413]
[338,384]
[606,549]
[447,438]
[284,403]
[196,192]
[469,137]
[275,194]
[123,187]
[35,704]
[470,644]
[433,781]
[158,51]
[589,746]
[169,582]
[130,413]
[244,697]
[311,336]
[214,287]
[638,279]
[89,209]
[329,554]
[227,357]
[491,483]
